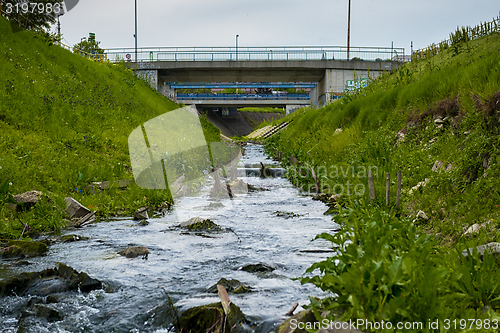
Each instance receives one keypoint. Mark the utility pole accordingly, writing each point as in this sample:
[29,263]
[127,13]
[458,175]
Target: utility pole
[348,29]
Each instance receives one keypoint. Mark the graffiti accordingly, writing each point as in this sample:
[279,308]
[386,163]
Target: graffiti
[353,85]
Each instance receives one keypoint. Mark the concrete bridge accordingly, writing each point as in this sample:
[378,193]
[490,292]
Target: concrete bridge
[327,67]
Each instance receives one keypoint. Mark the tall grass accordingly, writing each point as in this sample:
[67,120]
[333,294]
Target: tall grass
[362,131]
[64,123]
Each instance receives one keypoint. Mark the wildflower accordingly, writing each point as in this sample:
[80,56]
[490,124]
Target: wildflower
[495,205]
[10,184]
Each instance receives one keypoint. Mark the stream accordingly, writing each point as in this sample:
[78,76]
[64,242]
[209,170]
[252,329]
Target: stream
[272,226]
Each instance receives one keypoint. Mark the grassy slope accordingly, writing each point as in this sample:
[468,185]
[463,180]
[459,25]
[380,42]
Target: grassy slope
[64,122]
[460,85]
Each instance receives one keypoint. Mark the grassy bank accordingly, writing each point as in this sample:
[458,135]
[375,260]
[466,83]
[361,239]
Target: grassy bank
[64,123]
[437,120]
[443,109]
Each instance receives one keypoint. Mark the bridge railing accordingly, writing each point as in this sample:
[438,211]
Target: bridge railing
[301,53]
[194,96]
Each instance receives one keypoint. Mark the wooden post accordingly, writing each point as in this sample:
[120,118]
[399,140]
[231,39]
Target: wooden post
[315,180]
[387,187]
[371,185]
[398,193]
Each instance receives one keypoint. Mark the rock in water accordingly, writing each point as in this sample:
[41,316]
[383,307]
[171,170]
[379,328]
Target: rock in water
[199,224]
[232,285]
[210,318]
[50,281]
[141,214]
[22,249]
[135,251]
[257,268]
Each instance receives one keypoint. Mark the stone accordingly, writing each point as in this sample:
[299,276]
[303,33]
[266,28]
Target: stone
[232,286]
[141,214]
[472,229]
[49,313]
[211,318]
[199,224]
[22,249]
[50,281]
[257,268]
[418,186]
[75,209]
[72,238]
[135,251]
[492,248]
[28,198]
[437,165]
[421,214]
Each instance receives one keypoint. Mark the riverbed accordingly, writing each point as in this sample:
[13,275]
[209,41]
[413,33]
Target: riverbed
[273,225]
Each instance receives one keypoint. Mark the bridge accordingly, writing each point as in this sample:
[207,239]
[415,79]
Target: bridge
[326,67]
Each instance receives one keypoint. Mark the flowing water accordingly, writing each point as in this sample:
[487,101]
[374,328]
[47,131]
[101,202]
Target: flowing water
[184,265]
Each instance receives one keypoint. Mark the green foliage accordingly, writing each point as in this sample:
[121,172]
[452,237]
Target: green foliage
[387,270]
[90,47]
[64,123]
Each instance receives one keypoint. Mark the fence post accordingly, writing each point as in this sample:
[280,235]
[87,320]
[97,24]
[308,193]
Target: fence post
[387,187]
[398,193]
[371,186]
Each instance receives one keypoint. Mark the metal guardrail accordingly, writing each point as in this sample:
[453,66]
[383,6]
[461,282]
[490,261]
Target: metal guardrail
[246,85]
[282,53]
[245,97]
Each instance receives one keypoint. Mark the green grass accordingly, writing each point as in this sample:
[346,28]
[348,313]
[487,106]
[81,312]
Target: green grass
[463,87]
[388,127]
[64,123]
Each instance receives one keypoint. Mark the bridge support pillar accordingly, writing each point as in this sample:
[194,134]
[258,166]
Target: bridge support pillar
[152,76]
[336,82]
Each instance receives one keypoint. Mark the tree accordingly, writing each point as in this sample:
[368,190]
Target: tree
[29,14]
[91,47]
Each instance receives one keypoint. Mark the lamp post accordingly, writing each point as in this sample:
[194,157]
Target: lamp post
[135,35]
[348,29]
[237,47]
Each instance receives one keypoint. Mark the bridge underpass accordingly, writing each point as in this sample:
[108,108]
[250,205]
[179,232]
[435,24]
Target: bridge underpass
[328,67]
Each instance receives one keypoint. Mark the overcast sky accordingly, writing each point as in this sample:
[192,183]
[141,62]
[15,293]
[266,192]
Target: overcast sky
[273,22]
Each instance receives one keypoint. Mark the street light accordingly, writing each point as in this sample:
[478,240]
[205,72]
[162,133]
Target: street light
[135,35]
[348,29]
[237,47]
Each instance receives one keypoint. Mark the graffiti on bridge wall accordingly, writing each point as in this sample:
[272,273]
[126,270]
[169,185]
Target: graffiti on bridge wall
[356,84]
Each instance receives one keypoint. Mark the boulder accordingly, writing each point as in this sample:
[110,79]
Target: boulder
[50,281]
[28,198]
[199,224]
[135,251]
[211,318]
[257,268]
[75,209]
[492,248]
[472,229]
[16,249]
[141,214]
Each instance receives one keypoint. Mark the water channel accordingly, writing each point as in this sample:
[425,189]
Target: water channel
[184,265]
